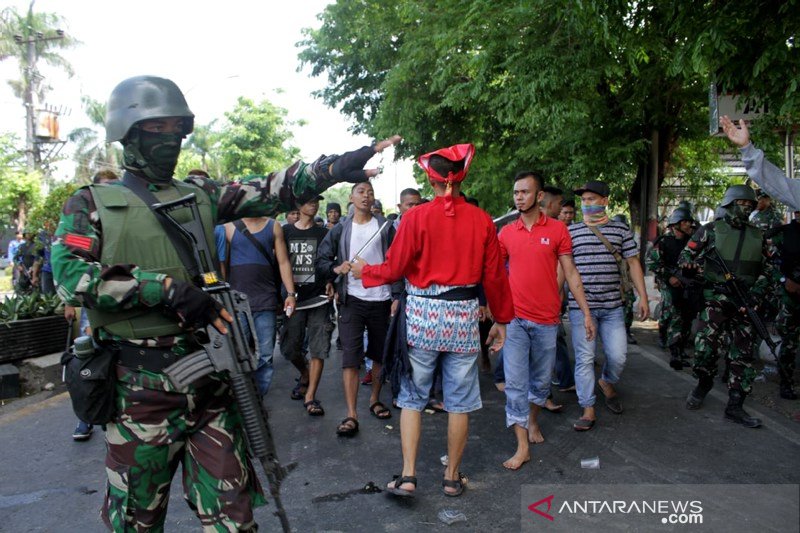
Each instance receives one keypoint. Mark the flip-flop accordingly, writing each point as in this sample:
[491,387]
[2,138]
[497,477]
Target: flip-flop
[347,431]
[435,405]
[583,425]
[314,408]
[395,489]
[614,405]
[299,391]
[378,410]
[458,484]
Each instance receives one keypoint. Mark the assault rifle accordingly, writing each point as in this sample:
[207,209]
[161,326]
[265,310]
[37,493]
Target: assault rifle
[229,354]
[740,297]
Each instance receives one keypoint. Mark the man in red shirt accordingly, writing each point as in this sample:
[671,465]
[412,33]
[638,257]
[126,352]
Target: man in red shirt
[444,249]
[535,246]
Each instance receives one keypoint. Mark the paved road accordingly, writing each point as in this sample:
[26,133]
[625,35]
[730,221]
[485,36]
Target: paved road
[50,483]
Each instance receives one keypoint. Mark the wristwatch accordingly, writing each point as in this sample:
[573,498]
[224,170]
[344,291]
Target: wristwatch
[291,295]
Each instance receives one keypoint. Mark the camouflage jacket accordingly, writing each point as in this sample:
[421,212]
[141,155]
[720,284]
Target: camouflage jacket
[767,219]
[83,281]
[702,242]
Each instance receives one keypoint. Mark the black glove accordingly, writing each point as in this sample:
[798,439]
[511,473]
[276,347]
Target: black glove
[349,166]
[194,307]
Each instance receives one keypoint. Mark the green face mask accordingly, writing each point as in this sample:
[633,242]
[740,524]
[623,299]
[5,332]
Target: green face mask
[155,154]
[740,213]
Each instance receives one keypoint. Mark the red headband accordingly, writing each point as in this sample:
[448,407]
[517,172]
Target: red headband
[456,152]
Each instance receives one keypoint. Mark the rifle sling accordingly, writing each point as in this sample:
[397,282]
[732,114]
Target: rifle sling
[139,187]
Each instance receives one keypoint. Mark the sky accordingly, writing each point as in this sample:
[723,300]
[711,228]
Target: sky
[214,51]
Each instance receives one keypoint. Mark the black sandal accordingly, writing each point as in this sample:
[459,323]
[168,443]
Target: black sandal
[345,429]
[457,484]
[380,411]
[314,408]
[299,391]
[394,488]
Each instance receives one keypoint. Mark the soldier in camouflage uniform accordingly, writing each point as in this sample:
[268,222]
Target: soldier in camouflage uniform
[766,216]
[678,301]
[742,248]
[786,240]
[112,257]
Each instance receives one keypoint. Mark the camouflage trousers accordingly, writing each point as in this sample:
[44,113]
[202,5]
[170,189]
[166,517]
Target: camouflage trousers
[719,319]
[156,430]
[788,325]
[677,314]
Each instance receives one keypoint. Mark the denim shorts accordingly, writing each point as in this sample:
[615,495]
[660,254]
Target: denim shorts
[462,393]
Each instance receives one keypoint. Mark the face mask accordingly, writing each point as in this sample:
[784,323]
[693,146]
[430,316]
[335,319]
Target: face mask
[740,213]
[154,154]
[594,214]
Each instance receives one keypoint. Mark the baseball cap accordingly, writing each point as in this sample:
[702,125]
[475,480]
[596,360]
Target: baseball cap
[595,186]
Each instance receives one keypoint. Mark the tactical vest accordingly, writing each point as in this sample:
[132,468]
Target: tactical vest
[740,248]
[671,247]
[133,235]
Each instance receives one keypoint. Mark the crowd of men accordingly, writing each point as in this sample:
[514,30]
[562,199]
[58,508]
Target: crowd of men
[409,295]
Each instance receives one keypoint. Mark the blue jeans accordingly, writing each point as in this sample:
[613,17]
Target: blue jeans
[462,393]
[610,324]
[565,375]
[529,355]
[265,332]
[499,371]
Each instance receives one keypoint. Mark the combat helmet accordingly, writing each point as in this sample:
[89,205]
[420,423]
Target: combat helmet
[738,192]
[678,215]
[144,98]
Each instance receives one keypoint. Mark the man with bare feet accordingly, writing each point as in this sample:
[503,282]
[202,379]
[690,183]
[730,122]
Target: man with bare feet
[535,246]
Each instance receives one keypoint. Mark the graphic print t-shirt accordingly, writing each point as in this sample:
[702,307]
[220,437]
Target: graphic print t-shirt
[302,245]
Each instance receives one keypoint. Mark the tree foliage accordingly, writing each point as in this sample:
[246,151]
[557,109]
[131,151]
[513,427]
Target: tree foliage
[92,153]
[19,189]
[255,139]
[48,212]
[576,89]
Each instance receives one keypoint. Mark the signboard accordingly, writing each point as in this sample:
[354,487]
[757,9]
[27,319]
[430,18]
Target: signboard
[736,106]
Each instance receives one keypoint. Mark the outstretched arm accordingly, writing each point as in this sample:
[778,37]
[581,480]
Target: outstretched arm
[765,174]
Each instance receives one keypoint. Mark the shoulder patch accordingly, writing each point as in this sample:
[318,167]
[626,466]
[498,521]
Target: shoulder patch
[80,242]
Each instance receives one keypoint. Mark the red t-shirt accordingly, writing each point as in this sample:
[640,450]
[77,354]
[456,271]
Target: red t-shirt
[532,267]
[460,250]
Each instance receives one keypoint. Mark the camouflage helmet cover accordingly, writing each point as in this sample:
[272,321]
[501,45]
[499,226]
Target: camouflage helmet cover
[144,98]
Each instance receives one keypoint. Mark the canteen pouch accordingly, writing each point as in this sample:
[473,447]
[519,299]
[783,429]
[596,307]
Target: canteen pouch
[91,384]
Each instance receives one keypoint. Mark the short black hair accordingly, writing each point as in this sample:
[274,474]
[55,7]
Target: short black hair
[473,201]
[555,191]
[409,192]
[444,166]
[353,188]
[568,203]
[537,177]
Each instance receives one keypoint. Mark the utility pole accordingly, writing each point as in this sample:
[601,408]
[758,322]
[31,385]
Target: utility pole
[33,154]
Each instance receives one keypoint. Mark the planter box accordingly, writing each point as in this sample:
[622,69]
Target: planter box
[32,337]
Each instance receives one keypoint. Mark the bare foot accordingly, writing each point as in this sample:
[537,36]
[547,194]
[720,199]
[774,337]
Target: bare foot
[517,460]
[608,388]
[407,486]
[552,406]
[535,434]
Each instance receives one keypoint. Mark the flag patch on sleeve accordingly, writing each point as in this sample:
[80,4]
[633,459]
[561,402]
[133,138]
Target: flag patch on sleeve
[80,242]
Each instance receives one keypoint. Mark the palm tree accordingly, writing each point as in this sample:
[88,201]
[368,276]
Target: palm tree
[205,142]
[29,38]
[91,151]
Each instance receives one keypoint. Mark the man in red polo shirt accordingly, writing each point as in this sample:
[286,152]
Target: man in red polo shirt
[535,245]
[444,249]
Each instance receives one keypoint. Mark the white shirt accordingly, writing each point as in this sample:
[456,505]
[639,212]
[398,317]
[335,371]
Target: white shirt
[373,255]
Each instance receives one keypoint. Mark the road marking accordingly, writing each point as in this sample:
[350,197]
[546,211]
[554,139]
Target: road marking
[33,408]
[777,426]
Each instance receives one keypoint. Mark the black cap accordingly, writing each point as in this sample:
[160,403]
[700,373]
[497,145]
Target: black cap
[595,186]
[333,206]
[761,193]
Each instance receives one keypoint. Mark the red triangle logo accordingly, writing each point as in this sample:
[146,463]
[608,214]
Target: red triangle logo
[549,501]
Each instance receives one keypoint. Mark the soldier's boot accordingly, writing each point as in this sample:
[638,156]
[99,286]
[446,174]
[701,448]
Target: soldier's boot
[675,360]
[695,399]
[787,390]
[736,413]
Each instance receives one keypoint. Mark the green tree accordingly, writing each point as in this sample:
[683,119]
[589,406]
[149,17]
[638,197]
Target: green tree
[92,153]
[19,189]
[204,142]
[255,139]
[580,90]
[48,211]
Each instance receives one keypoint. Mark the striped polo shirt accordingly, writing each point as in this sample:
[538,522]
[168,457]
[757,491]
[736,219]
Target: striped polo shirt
[597,266]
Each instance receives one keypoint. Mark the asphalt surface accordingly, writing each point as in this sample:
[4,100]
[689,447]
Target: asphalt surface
[50,483]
